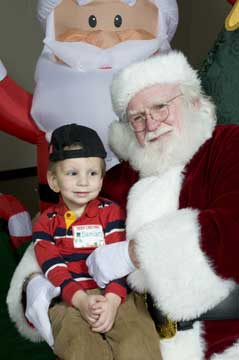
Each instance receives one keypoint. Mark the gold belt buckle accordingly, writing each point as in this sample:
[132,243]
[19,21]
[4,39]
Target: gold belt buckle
[168,329]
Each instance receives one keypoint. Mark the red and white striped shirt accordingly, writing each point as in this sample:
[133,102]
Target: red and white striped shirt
[62,244]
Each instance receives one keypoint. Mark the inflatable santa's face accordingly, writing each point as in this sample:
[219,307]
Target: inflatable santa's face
[86,43]
[105,23]
[98,34]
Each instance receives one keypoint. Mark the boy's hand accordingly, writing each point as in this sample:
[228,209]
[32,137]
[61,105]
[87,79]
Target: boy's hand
[84,302]
[107,311]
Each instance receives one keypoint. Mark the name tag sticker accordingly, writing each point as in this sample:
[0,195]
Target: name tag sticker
[88,236]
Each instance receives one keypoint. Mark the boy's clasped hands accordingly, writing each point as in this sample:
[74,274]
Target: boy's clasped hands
[98,310]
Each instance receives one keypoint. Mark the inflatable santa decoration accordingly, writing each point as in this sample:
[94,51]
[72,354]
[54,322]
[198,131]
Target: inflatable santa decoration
[85,43]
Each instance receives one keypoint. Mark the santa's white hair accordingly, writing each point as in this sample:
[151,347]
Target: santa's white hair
[171,68]
[168,14]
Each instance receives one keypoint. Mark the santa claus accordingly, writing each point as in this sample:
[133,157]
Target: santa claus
[182,215]
[85,43]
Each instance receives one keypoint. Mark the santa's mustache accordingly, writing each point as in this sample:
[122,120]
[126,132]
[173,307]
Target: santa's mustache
[163,129]
[104,38]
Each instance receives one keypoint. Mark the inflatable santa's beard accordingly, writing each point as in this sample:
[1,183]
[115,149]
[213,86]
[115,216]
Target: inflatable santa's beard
[86,57]
[80,93]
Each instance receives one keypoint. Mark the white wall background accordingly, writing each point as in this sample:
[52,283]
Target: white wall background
[20,45]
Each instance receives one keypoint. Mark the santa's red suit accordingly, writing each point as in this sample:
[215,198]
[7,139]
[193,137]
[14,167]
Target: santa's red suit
[186,225]
[197,266]
[183,211]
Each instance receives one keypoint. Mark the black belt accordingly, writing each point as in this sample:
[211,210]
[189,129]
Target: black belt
[228,309]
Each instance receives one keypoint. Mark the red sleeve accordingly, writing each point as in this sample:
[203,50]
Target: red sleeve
[219,221]
[50,260]
[115,224]
[15,106]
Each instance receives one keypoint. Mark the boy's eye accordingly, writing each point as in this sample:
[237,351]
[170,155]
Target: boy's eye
[93,173]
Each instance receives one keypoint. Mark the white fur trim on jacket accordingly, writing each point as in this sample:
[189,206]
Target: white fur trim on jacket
[185,345]
[190,345]
[27,266]
[178,273]
[232,353]
[147,191]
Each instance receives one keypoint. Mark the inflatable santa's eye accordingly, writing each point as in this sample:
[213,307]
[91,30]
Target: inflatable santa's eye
[118,21]
[92,21]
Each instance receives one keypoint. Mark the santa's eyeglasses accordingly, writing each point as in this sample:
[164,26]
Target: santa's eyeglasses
[157,112]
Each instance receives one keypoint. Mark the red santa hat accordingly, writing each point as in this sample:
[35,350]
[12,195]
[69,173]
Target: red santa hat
[168,14]
[171,68]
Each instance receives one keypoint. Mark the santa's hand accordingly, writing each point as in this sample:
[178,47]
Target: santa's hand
[39,293]
[110,262]
[3,71]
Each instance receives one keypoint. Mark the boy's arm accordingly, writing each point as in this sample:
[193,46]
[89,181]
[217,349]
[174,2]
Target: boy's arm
[51,261]
[118,287]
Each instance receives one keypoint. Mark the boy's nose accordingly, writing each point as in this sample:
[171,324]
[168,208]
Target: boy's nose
[82,180]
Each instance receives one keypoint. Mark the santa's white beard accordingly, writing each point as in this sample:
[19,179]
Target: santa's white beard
[172,149]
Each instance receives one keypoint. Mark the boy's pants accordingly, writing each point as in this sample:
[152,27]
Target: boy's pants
[132,337]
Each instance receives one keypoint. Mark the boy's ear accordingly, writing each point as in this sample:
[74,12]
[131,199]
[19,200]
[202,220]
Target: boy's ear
[52,181]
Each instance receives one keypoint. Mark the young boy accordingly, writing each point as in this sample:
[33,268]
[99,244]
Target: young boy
[88,323]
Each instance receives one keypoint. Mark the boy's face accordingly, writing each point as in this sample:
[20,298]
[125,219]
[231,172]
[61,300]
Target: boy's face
[79,180]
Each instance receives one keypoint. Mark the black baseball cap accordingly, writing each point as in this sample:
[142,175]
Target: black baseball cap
[73,134]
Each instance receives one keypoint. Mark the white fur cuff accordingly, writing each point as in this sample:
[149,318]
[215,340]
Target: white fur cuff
[177,272]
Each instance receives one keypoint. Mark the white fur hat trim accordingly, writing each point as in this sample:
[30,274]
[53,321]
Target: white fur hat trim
[171,68]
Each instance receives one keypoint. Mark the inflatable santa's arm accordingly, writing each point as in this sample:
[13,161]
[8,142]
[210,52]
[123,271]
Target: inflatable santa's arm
[15,105]
[17,218]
